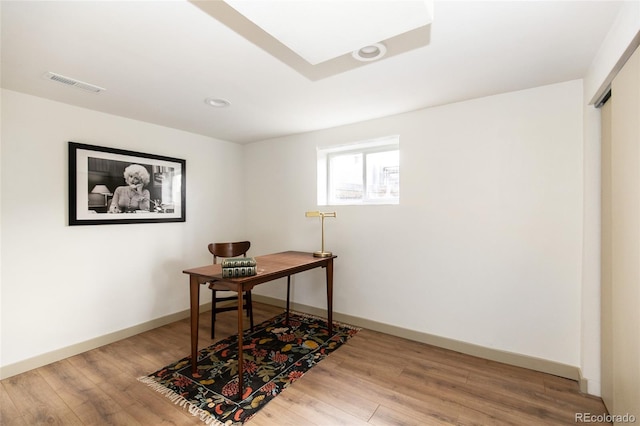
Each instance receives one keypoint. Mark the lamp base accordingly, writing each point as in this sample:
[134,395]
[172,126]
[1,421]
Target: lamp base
[322,254]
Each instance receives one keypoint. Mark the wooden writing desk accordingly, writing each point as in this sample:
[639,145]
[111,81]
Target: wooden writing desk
[270,267]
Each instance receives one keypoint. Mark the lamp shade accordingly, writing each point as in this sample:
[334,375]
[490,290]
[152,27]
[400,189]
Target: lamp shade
[101,189]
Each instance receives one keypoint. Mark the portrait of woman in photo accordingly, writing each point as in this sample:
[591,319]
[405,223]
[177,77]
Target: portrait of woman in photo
[133,196]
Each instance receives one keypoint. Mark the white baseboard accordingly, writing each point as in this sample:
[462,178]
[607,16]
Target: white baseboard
[66,352]
[518,360]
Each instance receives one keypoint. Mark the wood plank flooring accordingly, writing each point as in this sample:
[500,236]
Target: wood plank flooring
[375,379]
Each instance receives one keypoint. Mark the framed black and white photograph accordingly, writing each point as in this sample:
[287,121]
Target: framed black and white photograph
[111,186]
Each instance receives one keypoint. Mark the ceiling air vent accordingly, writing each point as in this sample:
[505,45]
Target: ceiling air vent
[73,82]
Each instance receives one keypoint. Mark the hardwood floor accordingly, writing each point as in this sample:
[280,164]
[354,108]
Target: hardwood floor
[375,379]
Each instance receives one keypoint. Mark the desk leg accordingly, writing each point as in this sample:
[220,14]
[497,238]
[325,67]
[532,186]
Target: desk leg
[240,347]
[330,295]
[195,317]
[286,320]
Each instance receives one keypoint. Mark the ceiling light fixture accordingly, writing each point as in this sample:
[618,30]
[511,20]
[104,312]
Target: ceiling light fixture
[370,53]
[217,102]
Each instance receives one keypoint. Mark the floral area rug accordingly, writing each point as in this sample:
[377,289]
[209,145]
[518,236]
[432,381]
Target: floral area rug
[275,355]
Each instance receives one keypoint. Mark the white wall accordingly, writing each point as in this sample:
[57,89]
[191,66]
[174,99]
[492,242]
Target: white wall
[486,244]
[63,285]
[590,346]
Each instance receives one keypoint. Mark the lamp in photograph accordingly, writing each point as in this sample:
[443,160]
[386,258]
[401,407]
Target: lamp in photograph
[102,189]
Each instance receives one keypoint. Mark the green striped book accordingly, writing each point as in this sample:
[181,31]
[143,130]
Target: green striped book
[239,271]
[238,261]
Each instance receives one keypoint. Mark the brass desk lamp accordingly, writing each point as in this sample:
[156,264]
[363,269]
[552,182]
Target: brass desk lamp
[321,215]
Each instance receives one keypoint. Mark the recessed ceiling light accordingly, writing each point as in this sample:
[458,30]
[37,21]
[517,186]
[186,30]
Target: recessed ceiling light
[370,53]
[217,102]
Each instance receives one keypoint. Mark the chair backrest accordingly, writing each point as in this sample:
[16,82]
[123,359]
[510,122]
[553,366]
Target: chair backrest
[236,249]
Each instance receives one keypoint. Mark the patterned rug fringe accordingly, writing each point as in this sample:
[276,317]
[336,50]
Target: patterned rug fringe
[178,400]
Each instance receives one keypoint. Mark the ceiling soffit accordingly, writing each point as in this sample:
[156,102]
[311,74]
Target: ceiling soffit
[400,43]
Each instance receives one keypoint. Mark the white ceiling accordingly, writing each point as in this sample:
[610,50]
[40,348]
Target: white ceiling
[159,60]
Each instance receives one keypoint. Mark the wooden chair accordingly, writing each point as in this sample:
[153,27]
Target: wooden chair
[236,249]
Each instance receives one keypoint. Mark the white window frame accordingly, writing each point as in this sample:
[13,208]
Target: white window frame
[387,143]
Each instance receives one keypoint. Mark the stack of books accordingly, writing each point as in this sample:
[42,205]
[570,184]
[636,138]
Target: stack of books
[239,267]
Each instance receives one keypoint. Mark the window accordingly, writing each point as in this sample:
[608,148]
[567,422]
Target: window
[362,173]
